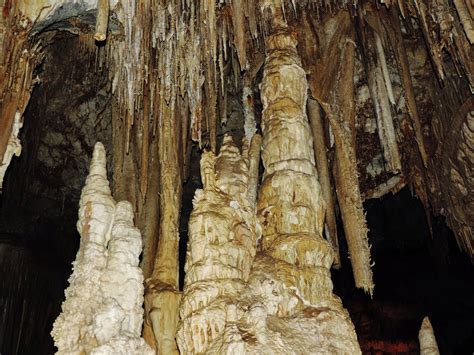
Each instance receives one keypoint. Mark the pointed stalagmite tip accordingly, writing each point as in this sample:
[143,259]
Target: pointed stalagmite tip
[99,161]
[426,336]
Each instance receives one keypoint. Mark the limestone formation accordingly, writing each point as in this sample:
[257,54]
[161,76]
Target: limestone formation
[13,147]
[222,244]
[102,313]
[428,345]
[284,302]
[258,268]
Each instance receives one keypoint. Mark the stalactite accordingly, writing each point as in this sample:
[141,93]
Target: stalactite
[455,174]
[239,32]
[102,20]
[162,293]
[382,96]
[401,55]
[321,159]
[466,16]
[19,56]
[331,83]
[13,147]
[428,345]
[102,311]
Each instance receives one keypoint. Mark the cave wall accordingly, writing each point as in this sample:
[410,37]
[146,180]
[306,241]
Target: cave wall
[67,113]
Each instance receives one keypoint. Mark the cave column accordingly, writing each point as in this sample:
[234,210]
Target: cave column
[291,208]
[162,288]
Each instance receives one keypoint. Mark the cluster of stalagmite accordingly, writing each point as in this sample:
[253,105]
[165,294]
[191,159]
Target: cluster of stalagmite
[283,303]
[427,339]
[221,248]
[102,313]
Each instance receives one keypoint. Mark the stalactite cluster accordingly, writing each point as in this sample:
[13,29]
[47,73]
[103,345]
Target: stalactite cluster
[19,56]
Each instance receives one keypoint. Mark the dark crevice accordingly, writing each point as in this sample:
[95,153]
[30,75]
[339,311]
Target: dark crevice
[415,276]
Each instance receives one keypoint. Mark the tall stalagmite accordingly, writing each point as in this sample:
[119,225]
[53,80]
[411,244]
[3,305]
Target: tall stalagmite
[221,247]
[103,313]
[428,345]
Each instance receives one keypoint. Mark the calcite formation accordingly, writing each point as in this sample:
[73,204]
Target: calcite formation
[13,147]
[340,112]
[321,159]
[457,174]
[102,313]
[284,302]
[426,336]
[222,244]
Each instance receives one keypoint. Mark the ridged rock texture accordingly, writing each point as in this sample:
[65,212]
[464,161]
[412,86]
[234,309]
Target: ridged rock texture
[284,302]
[457,174]
[426,336]
[221,247]
[102,313]
[340,112]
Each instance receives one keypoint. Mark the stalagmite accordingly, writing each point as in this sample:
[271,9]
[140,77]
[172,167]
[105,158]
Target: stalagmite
[118,320]
[321,159]
[254,164]
[284,304]
[102,312]
[428,345]
[221,247]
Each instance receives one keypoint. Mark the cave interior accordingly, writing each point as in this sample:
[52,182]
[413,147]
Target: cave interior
[159,96]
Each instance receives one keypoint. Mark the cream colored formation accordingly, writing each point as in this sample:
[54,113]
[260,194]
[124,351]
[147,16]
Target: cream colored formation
[426,336]
[102,313]
[222,244]
[283,303]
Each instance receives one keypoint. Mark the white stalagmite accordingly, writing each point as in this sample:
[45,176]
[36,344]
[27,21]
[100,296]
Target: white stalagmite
[102,312]
[428,345]
[13,147]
